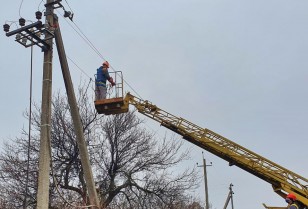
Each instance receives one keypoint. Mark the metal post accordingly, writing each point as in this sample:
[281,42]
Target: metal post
[207,205]
[84,156]
[45,155]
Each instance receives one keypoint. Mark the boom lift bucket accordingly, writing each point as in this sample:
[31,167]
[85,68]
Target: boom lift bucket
[114,102]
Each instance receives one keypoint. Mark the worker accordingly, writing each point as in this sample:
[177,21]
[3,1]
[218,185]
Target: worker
[100,82]
[291,200]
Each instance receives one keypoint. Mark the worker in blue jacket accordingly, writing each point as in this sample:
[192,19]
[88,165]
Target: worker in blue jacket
[100,82]
[291,200]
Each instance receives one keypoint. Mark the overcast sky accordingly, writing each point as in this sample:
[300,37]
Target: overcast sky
[238,68]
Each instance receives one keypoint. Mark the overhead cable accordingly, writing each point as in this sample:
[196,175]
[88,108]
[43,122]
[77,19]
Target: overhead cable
[20,7]
[29,132]
[38,8]
[91,45]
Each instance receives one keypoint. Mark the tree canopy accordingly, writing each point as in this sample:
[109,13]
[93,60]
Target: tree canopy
[132,167]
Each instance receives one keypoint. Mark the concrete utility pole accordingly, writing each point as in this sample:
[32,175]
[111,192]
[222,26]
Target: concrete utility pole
[207,205]
[84,156]
[45,155]
[230,196]
[33,33]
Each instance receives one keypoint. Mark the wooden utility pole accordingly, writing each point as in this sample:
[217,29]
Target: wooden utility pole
[84,156]
[45,155]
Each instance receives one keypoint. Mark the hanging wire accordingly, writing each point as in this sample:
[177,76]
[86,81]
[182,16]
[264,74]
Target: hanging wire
[21,3]
[12,22]
[30,21]
[38,8]
[20,7]
[85,93]
[29,131]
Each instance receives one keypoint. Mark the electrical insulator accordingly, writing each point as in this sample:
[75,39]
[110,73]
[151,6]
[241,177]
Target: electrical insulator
[6,27]
[18,36]
[67,14]
[38,15]
[24,40]
[22,21]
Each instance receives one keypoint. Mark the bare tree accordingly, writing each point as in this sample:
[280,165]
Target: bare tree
[132,166]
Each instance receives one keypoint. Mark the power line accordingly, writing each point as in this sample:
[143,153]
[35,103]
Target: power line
[29,131]
[12,22]
[100,55]
[97,51]
[20,7]
[79,67]
[83,37]
[91,45]
[38,8]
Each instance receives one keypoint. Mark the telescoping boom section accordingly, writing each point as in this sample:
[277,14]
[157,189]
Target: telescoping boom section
[282,180]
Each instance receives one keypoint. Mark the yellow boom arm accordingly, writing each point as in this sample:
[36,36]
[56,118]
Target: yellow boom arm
[283,180]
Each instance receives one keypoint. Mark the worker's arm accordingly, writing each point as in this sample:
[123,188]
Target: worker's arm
[110,79]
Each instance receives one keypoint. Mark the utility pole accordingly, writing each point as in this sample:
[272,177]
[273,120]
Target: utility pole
[229,197]
[84,156]
[45,135]
[32,33]
[207,206]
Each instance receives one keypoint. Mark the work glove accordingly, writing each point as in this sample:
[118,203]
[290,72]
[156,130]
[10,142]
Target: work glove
[111,81]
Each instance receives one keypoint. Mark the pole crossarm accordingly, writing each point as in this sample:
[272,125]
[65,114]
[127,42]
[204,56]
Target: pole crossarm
[280,178]
[33,33]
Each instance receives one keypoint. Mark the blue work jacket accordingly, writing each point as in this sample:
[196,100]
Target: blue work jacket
[101,77]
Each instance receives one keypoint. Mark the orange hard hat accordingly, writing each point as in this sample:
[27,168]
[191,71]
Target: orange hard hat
[291,196]
[106,63]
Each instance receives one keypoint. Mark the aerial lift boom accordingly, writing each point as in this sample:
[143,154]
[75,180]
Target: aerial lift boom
[282,180]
